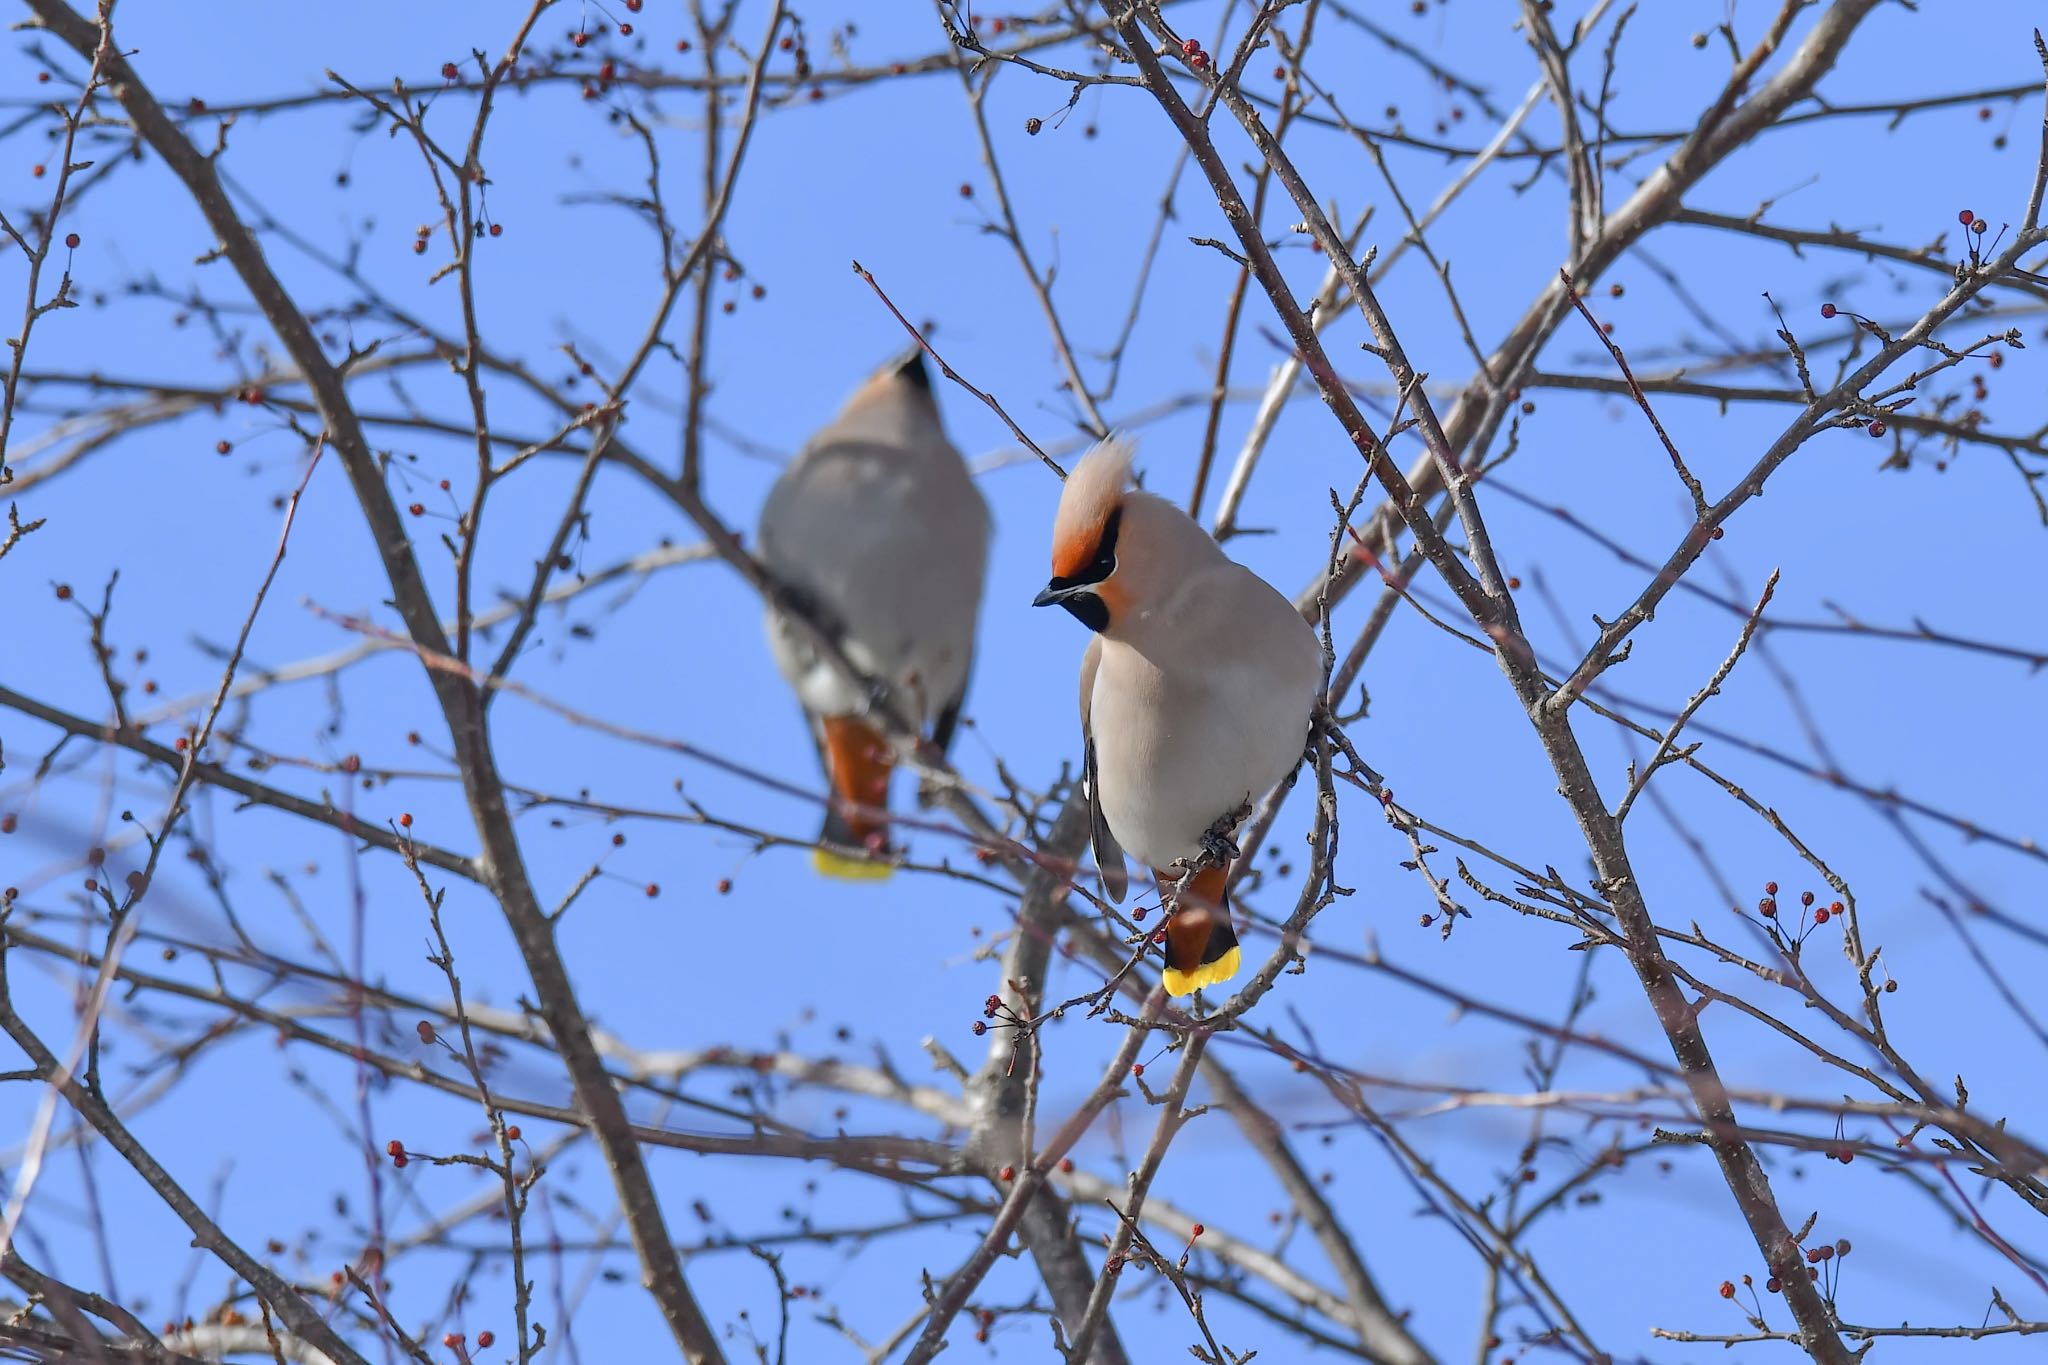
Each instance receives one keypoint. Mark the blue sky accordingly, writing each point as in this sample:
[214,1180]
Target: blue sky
[877,173]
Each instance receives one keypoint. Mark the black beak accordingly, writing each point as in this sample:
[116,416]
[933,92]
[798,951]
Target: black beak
[1057,593]
[1079,599]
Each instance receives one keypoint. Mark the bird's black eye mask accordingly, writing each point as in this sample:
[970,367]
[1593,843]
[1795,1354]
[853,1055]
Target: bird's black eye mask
[1073,592]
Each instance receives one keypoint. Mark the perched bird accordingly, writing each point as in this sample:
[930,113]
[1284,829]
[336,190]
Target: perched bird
[1197,694]
[881,538]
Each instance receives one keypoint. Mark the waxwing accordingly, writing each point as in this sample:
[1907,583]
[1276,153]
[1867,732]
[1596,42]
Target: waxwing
[877,531]
[1197,696]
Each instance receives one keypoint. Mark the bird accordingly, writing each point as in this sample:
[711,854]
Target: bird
[1198,694]
[876,533]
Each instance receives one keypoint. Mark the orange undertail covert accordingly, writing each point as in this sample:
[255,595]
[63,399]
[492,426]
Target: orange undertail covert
[858,761]
[1201,947]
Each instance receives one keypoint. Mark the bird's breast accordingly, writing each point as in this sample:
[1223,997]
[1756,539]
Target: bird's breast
[1177,750]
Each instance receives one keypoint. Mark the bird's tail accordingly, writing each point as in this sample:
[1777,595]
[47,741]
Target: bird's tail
[1201,947]
[858,761]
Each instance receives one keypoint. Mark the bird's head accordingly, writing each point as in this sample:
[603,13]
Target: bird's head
[1087,535]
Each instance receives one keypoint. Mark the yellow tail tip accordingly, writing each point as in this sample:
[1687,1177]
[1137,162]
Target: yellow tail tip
[1208,974]
[838,865]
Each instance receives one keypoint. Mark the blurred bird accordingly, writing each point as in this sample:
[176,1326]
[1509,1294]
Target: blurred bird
[879,534]
[1197,694]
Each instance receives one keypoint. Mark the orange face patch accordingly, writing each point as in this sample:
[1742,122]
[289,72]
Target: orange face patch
[1073,549]
[1092,493]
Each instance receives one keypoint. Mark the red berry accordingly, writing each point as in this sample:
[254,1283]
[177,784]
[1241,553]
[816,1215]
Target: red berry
[417,510]
[1199,60]
[425,1030]
[1806,898]
[71,240]
[1770,888]
[399,1161]
[405,820]
[1066,1165]
[1771,1285]
[1197,1230]
[1727,1290]
[36,171]
[1820,916]
[1964,217]
[221,447]
[452,1341]
[979,1028]
[497,229]
[512,1133]
[632,7]
[1137,1068]
[625,30]
[1767,907]
[682,44]
[653,890]
[724,886]
[485,1338]
[579,39]
[449,71]
[1835,906]
[1007,1174]
[1189,47]
[1827,310]
[1979,226]
[394,1148]
[1877,428]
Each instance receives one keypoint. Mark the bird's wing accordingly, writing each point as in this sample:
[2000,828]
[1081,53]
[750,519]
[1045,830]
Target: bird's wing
[1109,855]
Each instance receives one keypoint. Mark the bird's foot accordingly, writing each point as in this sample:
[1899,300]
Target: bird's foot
[1217,845]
